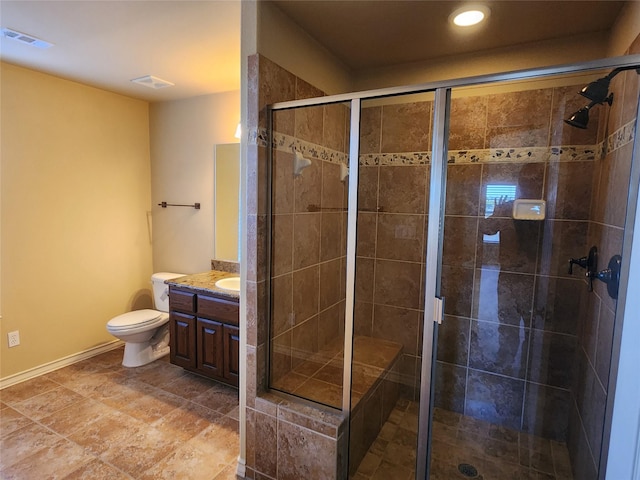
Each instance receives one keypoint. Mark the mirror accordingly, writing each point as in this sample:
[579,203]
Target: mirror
[226,204]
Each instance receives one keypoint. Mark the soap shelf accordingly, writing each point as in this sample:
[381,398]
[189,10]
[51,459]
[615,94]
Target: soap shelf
[165,205]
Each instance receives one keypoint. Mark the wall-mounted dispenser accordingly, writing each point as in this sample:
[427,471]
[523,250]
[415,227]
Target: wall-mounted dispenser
[525,209]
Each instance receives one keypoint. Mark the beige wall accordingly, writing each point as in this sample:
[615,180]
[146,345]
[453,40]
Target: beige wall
[183,136]
[625,30]
[75,194]
[533,55]
[285,43]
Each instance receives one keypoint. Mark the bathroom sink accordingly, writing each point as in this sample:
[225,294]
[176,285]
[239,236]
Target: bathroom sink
[231,283]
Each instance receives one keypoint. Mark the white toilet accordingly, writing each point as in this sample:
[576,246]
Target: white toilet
[145,332]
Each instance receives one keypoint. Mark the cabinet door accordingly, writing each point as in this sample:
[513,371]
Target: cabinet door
[210,351]
[231,354]
[182,339]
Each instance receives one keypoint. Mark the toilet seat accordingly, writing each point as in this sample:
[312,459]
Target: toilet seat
[138,319]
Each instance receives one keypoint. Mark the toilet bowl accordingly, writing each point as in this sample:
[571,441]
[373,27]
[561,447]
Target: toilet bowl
[145,332]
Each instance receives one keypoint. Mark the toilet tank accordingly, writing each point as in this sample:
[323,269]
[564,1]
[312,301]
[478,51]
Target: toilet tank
[161,289]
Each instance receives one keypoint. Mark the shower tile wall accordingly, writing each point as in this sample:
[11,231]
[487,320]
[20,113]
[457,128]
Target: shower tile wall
[286,439]
[392,207]
[506,347]
[505,351]
[468,377]
[605,230]
[308,251]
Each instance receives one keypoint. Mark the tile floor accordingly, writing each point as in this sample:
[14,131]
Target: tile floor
[495,452]
[98,420]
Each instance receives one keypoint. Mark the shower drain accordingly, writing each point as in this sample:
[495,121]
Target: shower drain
[468,470]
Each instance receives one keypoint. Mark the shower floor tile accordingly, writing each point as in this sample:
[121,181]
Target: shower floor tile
[96,419]
[496,453]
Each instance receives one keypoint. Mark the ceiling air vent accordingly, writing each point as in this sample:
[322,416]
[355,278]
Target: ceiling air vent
[24,38]
[152,82]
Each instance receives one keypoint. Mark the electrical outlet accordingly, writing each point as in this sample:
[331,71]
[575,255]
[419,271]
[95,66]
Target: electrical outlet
[14,338]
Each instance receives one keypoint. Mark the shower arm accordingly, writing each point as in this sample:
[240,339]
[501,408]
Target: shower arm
[616,71]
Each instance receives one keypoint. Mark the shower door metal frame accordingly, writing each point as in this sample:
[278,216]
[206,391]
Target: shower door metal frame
[352,216]
[436,196]
[433,268]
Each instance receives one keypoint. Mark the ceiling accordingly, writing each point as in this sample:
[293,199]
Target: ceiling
[196,44]
[193,44]
[367,34]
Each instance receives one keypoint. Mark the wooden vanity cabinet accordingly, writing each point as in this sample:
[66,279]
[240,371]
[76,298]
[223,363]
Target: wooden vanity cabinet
[210,348]
[182,337]
[204,334]
[232,353]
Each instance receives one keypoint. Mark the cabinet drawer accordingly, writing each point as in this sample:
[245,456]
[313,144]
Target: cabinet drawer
[218,308]
[183,301]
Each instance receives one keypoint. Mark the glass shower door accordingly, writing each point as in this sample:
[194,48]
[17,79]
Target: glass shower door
[524,351]
[393,190]
[481,195]
[308,212]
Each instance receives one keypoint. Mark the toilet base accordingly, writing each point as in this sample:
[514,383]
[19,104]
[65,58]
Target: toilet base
[139,354]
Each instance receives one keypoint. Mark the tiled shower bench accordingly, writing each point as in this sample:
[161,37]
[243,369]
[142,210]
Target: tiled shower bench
[375,386]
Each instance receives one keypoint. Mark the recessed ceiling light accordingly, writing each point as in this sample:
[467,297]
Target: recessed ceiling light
[469,15]
[152,82]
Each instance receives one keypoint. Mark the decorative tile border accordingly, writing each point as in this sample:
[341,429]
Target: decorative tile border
[258,137]
[621,137]
[287,143]
[568,153]
[391,159]
[491,155]
[575,153]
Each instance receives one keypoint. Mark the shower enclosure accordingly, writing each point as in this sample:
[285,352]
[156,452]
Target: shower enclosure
[429,269]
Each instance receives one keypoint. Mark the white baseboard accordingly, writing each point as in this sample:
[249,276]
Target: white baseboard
[57,364]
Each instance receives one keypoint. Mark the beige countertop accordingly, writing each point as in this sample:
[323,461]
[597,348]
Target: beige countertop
[205,283]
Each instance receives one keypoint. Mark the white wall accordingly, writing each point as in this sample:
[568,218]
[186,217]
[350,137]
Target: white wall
[183,136]
[75,192]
